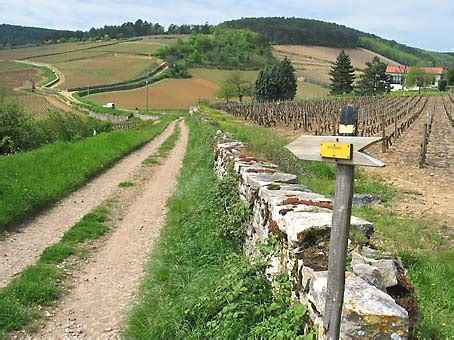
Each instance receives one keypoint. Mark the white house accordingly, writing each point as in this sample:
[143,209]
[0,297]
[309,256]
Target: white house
[398,73]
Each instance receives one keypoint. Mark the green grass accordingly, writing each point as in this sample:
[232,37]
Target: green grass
[218,76]
[198,284]
[126,184]
[430,262]
[47,76]
[38,285]
[165,148]
[33,180]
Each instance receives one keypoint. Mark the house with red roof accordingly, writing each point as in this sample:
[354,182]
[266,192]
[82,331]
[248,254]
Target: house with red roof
[398,73]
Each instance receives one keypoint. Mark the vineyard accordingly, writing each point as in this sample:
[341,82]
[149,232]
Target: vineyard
[388,117]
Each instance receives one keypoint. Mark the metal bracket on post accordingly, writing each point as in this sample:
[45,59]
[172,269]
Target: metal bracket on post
[346,151]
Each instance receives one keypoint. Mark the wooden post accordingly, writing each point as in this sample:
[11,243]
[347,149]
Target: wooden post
[338,250]
[346,151]
[383,133]
[395,125]
[422,155]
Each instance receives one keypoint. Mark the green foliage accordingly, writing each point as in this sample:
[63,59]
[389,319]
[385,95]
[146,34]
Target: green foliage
[442,84]
[33,180]
[126,184]
[298,31]
[19,131]
[342,75]
[226,48]
[450,76]
[374,80]
[235,86]
[417,76]
[276,82]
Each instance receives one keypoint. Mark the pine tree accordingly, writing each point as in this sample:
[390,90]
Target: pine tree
[374,81]
[276,82]
[342,75]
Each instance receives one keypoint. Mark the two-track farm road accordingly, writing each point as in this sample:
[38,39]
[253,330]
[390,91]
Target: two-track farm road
[105,287]
[22,248]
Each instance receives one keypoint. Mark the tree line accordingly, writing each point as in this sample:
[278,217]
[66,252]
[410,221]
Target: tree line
[12,35]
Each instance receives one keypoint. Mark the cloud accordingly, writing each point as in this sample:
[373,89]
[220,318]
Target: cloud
[414,22]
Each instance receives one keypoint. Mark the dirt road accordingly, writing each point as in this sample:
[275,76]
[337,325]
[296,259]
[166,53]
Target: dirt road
[20,249]
[106,286]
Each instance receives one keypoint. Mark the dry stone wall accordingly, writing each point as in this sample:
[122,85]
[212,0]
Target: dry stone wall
[301,219]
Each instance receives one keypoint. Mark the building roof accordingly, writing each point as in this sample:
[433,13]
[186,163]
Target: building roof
[403,69]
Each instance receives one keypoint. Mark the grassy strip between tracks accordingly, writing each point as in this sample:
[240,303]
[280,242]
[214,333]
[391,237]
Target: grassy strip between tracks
[423,243]
[34,180]
[165,148]
[198,284]
[41,284]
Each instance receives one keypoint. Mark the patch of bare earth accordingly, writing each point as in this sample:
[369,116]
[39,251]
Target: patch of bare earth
[105,287]
[21,247]
[430,190]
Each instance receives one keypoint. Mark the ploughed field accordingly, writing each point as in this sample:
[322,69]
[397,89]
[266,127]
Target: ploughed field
[169,93]
[313,63]
[12,78]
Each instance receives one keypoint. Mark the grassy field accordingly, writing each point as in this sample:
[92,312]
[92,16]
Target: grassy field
[218,76]
[102,70]
[314,62]
[169,93]
[198,284]
[307,90]
[423,243]
[33,180]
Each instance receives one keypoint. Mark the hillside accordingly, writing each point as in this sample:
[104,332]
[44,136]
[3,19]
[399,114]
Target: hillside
[12,35]
[298,31]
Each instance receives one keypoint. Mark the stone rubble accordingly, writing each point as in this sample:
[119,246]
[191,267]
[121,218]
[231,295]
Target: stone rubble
[302,219]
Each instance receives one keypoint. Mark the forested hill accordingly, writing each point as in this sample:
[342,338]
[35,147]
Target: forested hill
[12,35]
[298,31]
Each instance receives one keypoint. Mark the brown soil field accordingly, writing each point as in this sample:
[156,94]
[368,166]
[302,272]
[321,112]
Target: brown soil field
[313,63]
[14,79]
[171,93]
[29,52]
[104,69]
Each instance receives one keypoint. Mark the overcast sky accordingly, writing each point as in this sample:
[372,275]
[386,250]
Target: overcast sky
[420,23]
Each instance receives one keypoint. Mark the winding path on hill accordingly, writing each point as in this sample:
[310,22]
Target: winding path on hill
[106,285]
[21,248]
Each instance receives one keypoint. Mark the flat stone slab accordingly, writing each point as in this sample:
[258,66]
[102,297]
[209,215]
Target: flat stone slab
[297,223]
[367,311]
[256,181]
[288,194]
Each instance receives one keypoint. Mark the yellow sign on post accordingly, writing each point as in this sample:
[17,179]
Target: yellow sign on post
[336,150]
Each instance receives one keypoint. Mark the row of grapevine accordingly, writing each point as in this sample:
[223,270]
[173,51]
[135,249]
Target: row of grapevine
[385,116]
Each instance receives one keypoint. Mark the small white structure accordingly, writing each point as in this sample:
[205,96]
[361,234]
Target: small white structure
[109,106]
[398,73]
